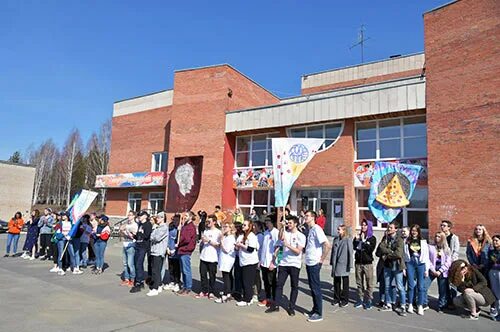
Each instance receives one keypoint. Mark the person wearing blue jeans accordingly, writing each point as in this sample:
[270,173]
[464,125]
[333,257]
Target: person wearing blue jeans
[187,277]
[391,251]
[74,254]
[12,240]
[102,234]
[14,229]
[185,247]
[128,263]
[142,246]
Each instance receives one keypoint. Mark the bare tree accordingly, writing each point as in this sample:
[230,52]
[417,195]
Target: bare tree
[72,147]
[98,150]
[42,158]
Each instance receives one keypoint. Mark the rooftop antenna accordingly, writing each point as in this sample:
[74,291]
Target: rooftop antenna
[361,41]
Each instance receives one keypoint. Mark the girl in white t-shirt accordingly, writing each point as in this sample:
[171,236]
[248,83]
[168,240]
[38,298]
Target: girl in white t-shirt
[247,246]
[226,259]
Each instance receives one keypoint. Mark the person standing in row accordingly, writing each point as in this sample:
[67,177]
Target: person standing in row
[174,266]
[86,230]
[159,244]
[493,267]
[416,252]
[293,243]
[440,262]
[454,244]
[391,252]
[128,233]
[142,246]
[341,261]
[100,242]
[247,245]
[185,247]
[31,243]
[210,242]
[477,248]
[62,229]
[266,261]
[15,226]
[364,245]
[317,247]
[45,224]
[226,260]
[257,285]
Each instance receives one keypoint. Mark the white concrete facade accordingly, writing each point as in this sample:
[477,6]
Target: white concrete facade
[16,189]
[143,103]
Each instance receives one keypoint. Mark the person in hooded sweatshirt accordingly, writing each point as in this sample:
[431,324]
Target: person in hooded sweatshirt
[364,245]
[159,245]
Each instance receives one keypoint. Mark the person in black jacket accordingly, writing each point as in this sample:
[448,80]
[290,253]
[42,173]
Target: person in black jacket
[364,245]
[142,247]
[473,286]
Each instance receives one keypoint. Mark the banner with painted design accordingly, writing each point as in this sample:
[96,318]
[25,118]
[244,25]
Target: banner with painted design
[290,157]
[78,207]
[391,188]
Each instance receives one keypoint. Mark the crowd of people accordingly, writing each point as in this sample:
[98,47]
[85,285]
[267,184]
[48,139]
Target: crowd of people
[251,252]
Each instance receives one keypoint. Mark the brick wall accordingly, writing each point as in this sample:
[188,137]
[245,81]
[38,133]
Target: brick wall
[463,114]
[117,199]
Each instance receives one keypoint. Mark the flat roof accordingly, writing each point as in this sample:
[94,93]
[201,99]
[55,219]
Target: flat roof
[16,164]
[439,7]
[145,95]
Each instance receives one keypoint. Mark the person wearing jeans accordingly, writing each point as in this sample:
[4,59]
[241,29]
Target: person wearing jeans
[185,247]
[101,240]
[128,231]
[391,251]
[86,230]
[317,247]
[15,226]
[493,268]
[142,245]
[440,261]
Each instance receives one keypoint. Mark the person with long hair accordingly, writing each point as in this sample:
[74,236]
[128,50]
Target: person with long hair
[174,265]
[321,220]
[45,225]
[127,232]
[237,270]
[493,267]
[31,243]
[15,226]
[416,253]
[477,248]
[226,260]
[341,261]
[159,245]
[440,262]
[266,261]
[473,286]
[61,235]
[247,246]
[101,237]
[209,257]
[364,244]
[185,247]
[142,246]
[86,230]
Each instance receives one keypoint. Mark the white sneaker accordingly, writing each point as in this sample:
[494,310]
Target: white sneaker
[169,286]
[160,289]
[61,272]
[176,288]
[410,309]
[153,292]
[255,299]
[243,303]
[31,258]
[54,269]
[222,299]
[420,310]
[24,256]
[77,271]
[68,269]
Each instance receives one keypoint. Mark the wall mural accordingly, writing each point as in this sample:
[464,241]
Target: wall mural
[253,178]
[127,180]
[363,171]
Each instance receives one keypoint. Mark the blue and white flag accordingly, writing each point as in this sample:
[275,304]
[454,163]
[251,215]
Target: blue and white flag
[78,207]
[391,189]
[290,157]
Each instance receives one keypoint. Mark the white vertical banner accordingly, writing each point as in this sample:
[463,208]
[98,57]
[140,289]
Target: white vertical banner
[290,157]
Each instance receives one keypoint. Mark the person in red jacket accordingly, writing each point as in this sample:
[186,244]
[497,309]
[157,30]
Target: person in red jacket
[14,229]
[185,246]
[321,220]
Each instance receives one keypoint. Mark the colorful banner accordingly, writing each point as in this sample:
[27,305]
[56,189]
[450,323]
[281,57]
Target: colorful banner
[253,178]
[127,180]
[290,157]
[184,184]
[391,189]
[363,171]
[78,207]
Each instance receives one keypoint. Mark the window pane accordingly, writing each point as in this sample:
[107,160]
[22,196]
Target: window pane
[367,214]
[156,195]
[315,132]
[259,158]
[269,158]
[271,199]
[245,211]
[332,131]
[163,166]
[156,166]
[419,198]
[269,141]
[363,198]
[367,150]
[298,132]
[242,143]
[242,159]
[415,147]
[259,142]
[366,130]
[244,197]
[390,148]
[418,218]
[135,195]
[415,127]
[328,143]
[260,197]
[389,129]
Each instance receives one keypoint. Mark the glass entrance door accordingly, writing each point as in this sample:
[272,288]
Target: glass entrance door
[338,214]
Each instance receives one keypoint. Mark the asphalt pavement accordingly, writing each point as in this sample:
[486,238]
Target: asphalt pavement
[32,299]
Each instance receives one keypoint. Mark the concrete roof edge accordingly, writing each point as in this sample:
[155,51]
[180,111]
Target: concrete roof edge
[440,7]
[145,95]
[16,164]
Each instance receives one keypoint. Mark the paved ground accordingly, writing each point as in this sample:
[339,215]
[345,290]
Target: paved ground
[32,299]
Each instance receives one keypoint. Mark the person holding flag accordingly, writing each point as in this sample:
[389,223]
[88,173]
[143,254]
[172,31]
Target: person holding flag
[62,237]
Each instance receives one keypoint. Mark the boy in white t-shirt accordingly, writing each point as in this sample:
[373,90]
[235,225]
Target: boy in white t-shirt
[317,247]
[209,257]
[293,243]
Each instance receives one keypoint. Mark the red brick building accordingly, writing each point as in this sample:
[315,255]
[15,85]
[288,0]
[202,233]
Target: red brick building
[439,109]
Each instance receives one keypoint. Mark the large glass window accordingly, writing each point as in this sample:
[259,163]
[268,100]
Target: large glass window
[393,138]
[159,162]
[156,202]
[415,213]
[134,201]
[330,132]
[259,200]
[254,151]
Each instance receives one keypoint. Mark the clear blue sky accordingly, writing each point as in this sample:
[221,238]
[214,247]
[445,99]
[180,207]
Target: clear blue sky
[64,63]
